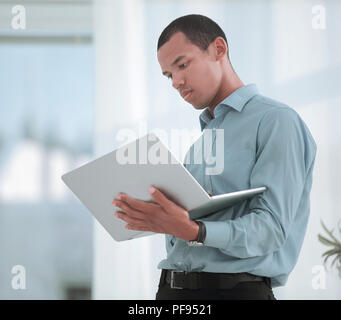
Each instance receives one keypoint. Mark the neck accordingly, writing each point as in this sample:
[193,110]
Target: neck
[230,83]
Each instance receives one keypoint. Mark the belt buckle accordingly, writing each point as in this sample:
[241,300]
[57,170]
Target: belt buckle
[172,279]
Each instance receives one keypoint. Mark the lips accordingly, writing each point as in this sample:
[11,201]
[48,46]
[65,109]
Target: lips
[186,94]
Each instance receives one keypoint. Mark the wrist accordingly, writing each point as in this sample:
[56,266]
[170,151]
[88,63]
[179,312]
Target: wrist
[194,231]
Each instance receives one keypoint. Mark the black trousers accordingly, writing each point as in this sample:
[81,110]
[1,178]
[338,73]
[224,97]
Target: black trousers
[243,291]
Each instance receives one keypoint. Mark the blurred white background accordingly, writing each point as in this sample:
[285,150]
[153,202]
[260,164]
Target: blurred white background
[82,70]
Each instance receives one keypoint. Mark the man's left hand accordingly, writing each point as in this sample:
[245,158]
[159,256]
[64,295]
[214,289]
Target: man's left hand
[160,216]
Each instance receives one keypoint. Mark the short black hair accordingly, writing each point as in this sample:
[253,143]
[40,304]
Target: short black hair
[198,29]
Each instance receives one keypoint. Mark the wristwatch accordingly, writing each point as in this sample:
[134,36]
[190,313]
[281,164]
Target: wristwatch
[201,235]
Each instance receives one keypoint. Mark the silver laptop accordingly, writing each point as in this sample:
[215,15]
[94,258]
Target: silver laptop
[132,169]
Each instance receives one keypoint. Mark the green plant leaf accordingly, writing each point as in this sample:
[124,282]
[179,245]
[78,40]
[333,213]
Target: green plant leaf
[337,258]
[330,233]
[335,251]
[326,242]
[330,253]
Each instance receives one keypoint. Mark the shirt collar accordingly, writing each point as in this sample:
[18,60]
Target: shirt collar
[236,100]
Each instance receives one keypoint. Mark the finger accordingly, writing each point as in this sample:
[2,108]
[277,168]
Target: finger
[138,228]
[128,210]
[121,215]
[160,198]
[138,205]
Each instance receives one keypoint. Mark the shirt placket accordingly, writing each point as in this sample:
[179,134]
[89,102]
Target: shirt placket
[208,145]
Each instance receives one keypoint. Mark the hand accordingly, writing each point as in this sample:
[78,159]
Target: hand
[161,216]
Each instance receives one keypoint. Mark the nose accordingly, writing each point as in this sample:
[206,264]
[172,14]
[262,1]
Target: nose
[178,81]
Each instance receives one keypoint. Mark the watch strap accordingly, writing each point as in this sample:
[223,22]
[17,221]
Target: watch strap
[202,231]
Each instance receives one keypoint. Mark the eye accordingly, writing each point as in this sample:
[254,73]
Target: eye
[184,65]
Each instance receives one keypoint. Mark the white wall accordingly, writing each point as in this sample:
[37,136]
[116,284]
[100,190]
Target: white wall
[121,270]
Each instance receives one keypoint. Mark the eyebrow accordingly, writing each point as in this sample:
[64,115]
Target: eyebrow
[175,62]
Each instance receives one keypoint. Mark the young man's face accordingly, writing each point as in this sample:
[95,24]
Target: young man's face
[195,74]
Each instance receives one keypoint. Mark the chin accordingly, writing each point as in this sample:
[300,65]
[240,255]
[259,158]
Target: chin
[199,107]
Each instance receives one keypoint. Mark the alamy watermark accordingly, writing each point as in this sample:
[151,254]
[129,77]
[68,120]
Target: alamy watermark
[19,279]
[145,151]
[318,20]
[19,17]
[318,281]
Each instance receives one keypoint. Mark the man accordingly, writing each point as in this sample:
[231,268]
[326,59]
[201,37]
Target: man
[252,247]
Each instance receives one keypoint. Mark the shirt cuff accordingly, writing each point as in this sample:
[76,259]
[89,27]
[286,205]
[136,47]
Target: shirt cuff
[218,233]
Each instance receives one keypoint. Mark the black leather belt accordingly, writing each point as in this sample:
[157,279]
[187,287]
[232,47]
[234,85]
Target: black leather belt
[208,280]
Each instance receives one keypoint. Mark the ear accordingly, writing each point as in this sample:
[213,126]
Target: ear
[220,48]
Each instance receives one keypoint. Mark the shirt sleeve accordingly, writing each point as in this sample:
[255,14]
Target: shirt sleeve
[285,153]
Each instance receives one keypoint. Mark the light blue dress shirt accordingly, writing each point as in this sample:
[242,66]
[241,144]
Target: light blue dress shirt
[266,143]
